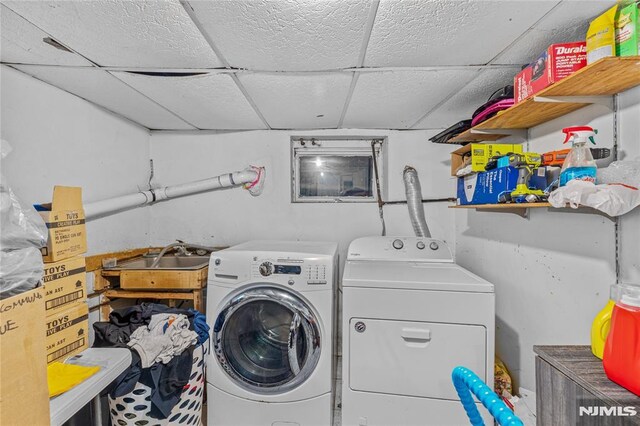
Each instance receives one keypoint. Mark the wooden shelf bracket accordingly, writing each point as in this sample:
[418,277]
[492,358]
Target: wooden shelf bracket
[605,100]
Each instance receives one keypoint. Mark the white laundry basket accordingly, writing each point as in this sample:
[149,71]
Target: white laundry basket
[133,408]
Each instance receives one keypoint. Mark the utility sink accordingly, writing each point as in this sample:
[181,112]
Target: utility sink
[172,273]
[167,262]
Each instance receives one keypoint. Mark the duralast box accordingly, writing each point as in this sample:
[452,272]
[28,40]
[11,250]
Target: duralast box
[64,217]
[65,283]
[24,396]
[557,62]
[67,332]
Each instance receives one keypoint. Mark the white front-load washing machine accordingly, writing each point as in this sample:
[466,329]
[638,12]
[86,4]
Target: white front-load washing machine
[410,315]
[270,306]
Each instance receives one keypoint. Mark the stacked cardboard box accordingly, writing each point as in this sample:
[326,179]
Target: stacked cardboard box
[65,289]
[24,397]
[480,154]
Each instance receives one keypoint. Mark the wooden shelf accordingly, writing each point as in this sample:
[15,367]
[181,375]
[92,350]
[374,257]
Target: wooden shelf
[506,206]
[603,78]
[522,209]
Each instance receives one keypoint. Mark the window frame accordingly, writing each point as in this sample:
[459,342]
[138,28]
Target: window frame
[311,147]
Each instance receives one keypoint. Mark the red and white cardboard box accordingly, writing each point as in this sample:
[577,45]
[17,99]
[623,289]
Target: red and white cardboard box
[557,62]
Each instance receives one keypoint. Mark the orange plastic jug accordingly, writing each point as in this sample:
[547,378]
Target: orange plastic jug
[621,358]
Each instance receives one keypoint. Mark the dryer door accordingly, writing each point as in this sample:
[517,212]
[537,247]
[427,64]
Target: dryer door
[267,340]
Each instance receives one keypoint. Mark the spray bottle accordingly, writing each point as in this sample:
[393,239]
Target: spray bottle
[579,163]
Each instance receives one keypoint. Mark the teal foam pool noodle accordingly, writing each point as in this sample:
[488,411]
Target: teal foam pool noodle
[467,382]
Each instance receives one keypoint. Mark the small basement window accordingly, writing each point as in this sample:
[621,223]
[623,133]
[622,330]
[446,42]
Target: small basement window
[335,170]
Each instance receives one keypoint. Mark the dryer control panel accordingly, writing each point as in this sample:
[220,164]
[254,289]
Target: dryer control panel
[403,249]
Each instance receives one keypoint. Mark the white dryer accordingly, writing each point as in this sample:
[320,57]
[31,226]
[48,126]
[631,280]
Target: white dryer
[410,315]
[270,306]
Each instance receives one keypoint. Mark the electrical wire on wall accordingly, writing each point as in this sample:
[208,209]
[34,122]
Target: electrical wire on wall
[414,201]
[374,153]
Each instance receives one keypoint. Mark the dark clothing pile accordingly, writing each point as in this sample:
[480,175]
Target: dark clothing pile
[165,380]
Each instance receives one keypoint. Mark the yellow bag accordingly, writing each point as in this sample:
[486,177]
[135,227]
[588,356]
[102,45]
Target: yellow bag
[62,377]
[502,378]
[601,36]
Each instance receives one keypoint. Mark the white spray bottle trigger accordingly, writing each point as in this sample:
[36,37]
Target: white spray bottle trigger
[580,134]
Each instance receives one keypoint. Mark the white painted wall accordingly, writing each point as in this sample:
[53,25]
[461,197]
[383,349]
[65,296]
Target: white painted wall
[60,139]
[232,216]
[552,271]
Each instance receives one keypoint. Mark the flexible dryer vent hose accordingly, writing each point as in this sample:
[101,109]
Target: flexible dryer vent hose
[414,202]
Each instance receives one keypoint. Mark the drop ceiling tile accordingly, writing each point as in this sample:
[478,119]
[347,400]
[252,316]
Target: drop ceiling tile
[123,33]
[286,35]
[208,101]
[21,43]
[566,23]
[461,105]
[299,101]
[103,89]
[397,99]
[444,32]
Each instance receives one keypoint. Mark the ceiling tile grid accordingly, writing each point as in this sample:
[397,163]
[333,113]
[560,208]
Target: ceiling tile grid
[208,101]
[123,33]
[398,99]
[300,101]
[462,104]
[294,62]
[103,89]
[413,33]
[286,35]
[567,22]
[22,43]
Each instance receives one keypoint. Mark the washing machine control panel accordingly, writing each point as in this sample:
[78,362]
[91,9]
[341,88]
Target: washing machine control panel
[291,270]
[266,269]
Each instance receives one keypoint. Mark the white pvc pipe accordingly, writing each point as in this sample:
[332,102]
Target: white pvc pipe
[125,202]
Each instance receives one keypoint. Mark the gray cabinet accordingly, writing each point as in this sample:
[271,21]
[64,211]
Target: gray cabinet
[572,389]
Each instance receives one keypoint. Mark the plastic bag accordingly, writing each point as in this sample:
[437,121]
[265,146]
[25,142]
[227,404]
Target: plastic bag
[255,187]
[612,199]
[20,226]
[627,172]
[21,271]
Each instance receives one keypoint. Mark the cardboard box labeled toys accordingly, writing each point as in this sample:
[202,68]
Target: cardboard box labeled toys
[481,153]
[557,62]
[64,217]
[628,30]
[67,332]
[601,36]
[486,187]
[24,396]
[65,282]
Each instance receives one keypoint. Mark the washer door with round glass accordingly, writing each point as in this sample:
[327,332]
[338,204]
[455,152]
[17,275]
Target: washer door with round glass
[267,340]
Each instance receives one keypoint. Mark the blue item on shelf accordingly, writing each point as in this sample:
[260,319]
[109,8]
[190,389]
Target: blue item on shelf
[503,161]
[486,187]
[466,382]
